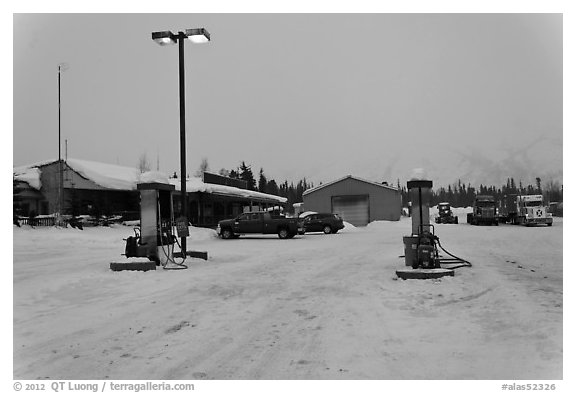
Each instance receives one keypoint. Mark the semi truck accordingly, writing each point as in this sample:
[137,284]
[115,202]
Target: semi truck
[483,211]
[525,210]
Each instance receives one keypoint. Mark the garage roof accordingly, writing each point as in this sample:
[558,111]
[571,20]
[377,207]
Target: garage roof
[311,190]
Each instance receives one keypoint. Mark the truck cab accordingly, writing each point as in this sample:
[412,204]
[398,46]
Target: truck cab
[530,210]
[483,211]
[445,214]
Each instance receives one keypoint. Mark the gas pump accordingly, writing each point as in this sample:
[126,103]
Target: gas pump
[155,239]
[421,246]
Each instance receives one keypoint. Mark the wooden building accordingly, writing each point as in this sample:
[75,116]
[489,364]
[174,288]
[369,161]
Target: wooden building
[96,189]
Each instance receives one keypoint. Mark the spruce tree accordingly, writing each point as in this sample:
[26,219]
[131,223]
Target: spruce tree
[262,181]
[272,188]
[247,175]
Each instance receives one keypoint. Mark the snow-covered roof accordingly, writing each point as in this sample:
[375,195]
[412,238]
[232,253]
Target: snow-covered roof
[29,175]
[107,175]
[195,184]
[115,177]
[344,178]
[125,178]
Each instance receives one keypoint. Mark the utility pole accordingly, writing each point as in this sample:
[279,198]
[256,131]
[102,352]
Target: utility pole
[60,167]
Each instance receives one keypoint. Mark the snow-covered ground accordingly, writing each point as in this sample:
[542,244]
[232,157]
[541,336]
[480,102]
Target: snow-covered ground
[313,307]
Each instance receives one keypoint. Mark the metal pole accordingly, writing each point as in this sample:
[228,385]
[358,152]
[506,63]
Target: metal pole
[60,169]
[421,229]
[181,38]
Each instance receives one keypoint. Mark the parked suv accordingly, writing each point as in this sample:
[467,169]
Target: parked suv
[323,222]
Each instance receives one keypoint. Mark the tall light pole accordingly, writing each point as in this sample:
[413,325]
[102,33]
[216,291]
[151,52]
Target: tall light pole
[61,67]
[197,36]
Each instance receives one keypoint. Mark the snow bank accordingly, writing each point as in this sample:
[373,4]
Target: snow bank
[201,234]
[376,225]
[349,227]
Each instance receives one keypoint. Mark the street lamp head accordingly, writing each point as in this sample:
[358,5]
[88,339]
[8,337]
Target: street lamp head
[198,36]
[164,37]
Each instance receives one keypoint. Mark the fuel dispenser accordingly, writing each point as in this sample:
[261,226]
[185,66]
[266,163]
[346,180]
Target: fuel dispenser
[419,249]
[421,246]
[154,239]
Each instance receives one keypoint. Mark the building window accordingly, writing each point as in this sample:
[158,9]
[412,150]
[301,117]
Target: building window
[44,207]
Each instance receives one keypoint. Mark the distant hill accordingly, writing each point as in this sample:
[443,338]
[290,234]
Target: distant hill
[538,158]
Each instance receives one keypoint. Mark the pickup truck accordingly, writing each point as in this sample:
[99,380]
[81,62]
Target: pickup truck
[259,222]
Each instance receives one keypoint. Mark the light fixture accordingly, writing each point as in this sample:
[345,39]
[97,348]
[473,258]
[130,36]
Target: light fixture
[198,36]
[164,37]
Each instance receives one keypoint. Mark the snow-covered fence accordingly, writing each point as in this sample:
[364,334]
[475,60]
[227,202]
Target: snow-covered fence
[37,221]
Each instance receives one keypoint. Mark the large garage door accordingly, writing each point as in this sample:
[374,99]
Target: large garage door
[353,209]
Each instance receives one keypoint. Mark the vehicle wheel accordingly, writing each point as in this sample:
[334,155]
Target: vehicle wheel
[283,233]
[227,234]
[549,224]
[455,220]
[327,229]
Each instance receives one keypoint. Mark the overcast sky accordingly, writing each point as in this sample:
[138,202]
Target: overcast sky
[470,96]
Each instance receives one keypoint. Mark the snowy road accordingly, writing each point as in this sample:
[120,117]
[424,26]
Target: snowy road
[313,307]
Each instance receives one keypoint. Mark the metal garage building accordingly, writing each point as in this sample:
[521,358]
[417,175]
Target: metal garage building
[357,201]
